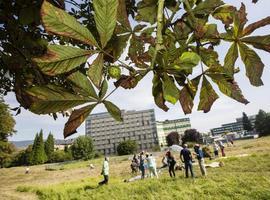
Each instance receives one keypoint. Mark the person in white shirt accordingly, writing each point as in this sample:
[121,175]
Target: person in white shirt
[105,171]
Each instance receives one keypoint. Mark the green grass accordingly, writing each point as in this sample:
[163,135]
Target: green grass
[241,178]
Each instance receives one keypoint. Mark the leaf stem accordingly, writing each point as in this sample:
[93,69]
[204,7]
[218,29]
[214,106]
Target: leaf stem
[159,38]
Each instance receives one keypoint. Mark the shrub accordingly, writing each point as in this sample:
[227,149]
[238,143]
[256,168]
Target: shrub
[60,156]
[127,147]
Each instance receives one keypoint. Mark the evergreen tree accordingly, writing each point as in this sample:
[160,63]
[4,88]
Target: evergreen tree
[49,147]
[246,122]
[38,155]
[262,123]
[32,160]
[7,124]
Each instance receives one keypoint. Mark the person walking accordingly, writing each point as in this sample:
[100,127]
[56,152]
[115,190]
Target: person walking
[171,163]
[200,157]
[105,171]
[222,148]
[216,148]
[186,158]
[151,163]
[141,165]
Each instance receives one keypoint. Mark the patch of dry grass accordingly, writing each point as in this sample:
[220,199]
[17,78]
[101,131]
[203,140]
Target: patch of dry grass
[240,177]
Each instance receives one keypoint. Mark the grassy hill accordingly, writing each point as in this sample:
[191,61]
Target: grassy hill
[241,178]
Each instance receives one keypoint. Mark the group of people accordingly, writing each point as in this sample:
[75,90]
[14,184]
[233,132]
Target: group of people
[145,161]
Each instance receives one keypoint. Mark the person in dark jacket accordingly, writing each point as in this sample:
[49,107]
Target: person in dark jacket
[186,158]
[171,163]
[141,165]
[200,157]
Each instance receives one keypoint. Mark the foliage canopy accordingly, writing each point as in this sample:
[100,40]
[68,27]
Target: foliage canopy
[73,63]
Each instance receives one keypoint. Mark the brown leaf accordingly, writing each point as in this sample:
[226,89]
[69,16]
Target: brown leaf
[207,96]
[126,82]
[187,95]
[157,92]
[76,118]
[252,27]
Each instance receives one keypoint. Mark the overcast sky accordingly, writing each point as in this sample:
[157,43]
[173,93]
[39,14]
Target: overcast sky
[224,110]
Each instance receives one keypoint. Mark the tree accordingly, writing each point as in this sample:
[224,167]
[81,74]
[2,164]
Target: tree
[82,148]
[192,135]
[173,138]
[246,122]
[127,147]
[262,123]
[49,147]
[169,39]
[7,124]
[23,157]
[38,155]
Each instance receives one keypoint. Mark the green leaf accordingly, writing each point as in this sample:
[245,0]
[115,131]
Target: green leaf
[158,93]
[76,118]
[207,96]
[253,63]
[96,70]
[225,14]
[209,57]
[117,45]
[51,99]
[83,83]
[231,58]
[259,42]
[105,18]
[211,32]
[206,7]
[114,111]
[187,95]
[228,87]
[240,19]
[61,59]
[170,91]
[103,90]
[57,21]
[187,61]
[27,15]
[147,11]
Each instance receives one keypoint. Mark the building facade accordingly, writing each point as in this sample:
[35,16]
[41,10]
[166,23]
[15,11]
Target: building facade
[233,127]
[168,126]
[108,133]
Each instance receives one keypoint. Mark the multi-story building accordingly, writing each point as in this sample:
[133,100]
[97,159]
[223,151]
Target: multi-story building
[233,127]
[108,133]
[168,126]
[230,127]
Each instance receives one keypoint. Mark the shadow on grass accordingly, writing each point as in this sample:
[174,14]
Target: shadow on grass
[88,187]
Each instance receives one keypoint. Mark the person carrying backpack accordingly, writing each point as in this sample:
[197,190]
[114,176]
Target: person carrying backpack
[186,158]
